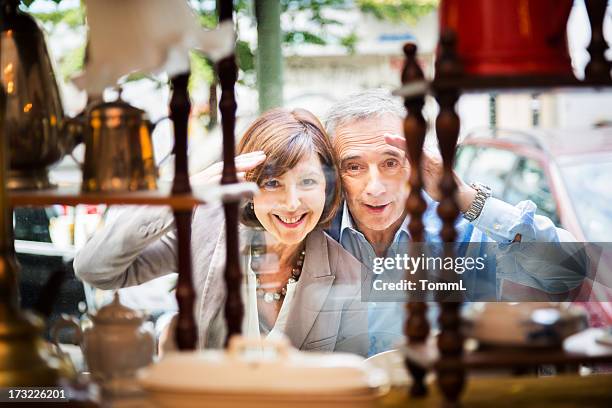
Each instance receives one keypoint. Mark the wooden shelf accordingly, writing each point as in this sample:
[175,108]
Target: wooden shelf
[564,391]
[516,84]
[72,195]
[580,348]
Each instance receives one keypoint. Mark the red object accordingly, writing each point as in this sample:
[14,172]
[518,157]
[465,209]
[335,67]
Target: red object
[509,37]
[91,209]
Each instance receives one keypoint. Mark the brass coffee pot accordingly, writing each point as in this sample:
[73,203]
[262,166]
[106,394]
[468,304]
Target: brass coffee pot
[33,114]
[118,147]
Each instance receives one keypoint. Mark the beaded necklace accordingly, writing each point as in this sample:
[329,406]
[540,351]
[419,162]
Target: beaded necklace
[276,296]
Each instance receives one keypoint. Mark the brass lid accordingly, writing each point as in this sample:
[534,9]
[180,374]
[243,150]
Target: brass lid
[116,113]
[115,108]
[115,312]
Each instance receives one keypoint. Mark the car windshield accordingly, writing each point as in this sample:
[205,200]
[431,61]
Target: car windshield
[588,184]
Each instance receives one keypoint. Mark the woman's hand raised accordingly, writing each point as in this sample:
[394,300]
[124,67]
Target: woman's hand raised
[212,174]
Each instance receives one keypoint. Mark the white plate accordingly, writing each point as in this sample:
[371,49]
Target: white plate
[275,369]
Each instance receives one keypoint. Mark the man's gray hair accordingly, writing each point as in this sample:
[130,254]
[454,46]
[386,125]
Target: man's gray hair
[363,105]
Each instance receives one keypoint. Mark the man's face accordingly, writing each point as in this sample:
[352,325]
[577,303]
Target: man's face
[374,174]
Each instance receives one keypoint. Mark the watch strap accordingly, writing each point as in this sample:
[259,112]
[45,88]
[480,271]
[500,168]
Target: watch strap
[482,193]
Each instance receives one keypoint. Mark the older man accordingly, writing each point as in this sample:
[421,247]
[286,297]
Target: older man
[366,131]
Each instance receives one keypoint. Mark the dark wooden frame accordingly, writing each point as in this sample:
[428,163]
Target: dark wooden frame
[449,360]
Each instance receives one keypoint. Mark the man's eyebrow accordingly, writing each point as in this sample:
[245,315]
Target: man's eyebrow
[393,153]
[353,157]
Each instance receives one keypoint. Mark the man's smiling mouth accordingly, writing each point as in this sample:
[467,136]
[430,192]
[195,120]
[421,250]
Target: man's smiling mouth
[376,208]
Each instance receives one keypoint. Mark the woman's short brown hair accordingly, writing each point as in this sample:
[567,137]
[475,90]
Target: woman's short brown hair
[286,137]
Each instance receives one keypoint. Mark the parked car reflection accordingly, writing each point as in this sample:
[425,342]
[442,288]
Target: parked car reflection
[566,173]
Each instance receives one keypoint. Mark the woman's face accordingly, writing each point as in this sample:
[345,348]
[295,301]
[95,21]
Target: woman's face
[289,206]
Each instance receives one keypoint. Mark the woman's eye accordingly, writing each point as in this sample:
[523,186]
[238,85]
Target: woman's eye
[270,184]
[309,182]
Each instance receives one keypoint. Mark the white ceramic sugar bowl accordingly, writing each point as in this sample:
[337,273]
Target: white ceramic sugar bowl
[117,344]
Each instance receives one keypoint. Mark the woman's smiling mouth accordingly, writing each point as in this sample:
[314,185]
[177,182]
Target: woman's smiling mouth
[291,222]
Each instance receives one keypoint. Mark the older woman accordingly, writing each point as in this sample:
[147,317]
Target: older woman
[299,281]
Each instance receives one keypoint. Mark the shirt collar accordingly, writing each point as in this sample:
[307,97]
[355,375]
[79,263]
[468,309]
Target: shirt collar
[348,224]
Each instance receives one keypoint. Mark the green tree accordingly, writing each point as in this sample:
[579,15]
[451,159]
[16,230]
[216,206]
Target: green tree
[320,32]
[407,11]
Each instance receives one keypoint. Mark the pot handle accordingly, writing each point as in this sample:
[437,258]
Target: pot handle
[237,345]
[74,128]
[66,322]
[152,126]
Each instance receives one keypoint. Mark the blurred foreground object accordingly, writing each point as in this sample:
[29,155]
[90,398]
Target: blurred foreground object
[254,373]
[24,357]
[145,36]
[33,114]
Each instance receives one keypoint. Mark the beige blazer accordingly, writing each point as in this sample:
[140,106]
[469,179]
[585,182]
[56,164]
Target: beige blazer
[140,244]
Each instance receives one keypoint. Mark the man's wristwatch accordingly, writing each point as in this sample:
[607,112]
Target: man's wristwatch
[482,193]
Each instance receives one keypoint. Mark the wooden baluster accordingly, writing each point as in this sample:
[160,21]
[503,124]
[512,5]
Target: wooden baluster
[450,372]
[448,63]
[416,327]
[228,73]
[598,67]
[180,106]
[450,341]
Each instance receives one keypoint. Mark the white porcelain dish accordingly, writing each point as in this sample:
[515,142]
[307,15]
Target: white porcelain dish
[256,373]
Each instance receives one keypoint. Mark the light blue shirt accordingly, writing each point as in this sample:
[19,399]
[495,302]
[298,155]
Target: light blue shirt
[498,222]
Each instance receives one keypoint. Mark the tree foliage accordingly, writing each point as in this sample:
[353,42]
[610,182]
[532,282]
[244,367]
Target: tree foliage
[317,34]
[398,10]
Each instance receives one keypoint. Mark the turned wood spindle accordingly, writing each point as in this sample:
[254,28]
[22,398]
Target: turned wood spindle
[447,130]
[416,327]
[228,73]
[598,67]
[448,64]
[450,372]
[449,369]
[180,106]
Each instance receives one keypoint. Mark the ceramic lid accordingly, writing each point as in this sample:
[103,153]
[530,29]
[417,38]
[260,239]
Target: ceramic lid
[115,312]
[284,371]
